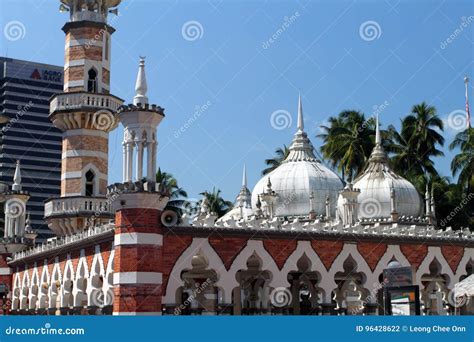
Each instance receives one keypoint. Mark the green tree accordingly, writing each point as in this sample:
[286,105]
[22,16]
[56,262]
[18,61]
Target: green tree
[169,186]
[348,141]
[273,163]
[463,162]
[216,203]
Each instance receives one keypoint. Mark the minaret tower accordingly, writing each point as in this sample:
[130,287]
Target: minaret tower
[85,112]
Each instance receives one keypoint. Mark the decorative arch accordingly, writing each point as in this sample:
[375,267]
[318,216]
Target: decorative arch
[461,270]
[55,285]
[25,287]
[184,263]
[434,253]
[44,287]
[80,281]
[392,252]
[34,288]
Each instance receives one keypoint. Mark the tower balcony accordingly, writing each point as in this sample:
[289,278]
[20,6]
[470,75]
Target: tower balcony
[67,215]
[76,110]
[77,206]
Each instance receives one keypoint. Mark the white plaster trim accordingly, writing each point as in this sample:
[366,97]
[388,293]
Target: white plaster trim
[85,42]
[78,174]
[5,270]
[76,83]
[84,153]
[424,268]
[85,131]
[138,239]
[138,278]
[74,63]
[461,270]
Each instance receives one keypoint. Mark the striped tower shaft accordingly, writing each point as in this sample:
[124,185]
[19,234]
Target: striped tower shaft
[138,260]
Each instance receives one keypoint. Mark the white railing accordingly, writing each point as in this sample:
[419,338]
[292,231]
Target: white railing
[76,205]
[60,242]
[77,100]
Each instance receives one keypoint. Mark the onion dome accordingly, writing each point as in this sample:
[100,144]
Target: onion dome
[300,176]
[382,191]
[242,207]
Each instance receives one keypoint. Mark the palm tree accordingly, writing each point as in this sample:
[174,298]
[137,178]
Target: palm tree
[417,142]
[463,162]
[169,186]
[217,204]
[348,141]
[273,163]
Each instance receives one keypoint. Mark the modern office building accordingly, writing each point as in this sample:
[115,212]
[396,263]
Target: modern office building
[28,135]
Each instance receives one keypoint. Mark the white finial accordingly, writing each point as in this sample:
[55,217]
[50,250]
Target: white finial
[141,86]
[300,114]
[244,177]
[378,140]
[17,177]
[468,114]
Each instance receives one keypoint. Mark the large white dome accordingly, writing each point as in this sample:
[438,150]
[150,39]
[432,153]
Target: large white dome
[298,177]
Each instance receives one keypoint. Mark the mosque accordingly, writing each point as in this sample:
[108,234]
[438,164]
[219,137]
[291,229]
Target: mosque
[300,243]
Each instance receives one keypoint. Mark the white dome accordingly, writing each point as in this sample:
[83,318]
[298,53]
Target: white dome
[376,184]
[298,177]
[294,182]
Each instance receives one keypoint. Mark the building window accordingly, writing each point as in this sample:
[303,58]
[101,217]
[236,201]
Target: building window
[92,81]
[90,183]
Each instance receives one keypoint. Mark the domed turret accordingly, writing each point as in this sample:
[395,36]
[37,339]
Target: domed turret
[382,191]
[297,178]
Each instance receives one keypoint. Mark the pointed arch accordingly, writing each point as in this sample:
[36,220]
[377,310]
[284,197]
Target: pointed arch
[461,270]
[44,286]
[184,263]
[424,268]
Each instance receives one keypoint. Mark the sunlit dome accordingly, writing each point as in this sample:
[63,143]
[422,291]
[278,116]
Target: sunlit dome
[299,177]
[376,185]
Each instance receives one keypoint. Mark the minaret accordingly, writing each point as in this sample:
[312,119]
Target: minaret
[15,208]
[138,203]
[85,112]
[140,121]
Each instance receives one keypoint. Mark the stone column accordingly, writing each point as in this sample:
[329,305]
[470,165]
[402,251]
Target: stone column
[139,160]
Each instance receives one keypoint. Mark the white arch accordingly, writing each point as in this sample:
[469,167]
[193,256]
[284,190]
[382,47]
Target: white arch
[424,268]
[55,285]
[392,252]
[43,290]
[25,289]
[16,290]
[108,279]
[184,262]
[81,280]
[304,247]
[97,270]
[349,250]
[34,288]
[68,276]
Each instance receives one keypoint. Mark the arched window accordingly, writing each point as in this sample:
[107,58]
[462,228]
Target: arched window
[92,81]
[90,183]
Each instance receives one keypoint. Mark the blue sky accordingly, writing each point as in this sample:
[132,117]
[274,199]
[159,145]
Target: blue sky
[221,86]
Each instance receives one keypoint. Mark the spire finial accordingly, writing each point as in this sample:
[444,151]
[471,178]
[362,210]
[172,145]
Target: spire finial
[244,177]
[140,85]
[378,140]
[17,177]
[300,114]
[468,118]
